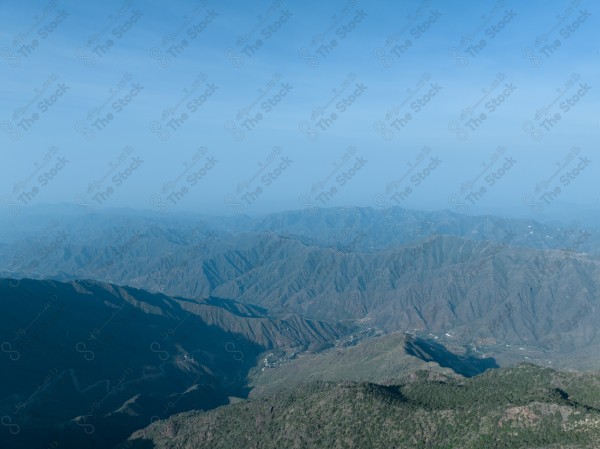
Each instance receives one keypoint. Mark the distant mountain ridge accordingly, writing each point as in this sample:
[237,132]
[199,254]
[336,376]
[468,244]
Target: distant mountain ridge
[501,287]
[355,228]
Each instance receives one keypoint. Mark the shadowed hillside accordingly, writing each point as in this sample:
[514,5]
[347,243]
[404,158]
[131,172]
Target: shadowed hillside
[85,363]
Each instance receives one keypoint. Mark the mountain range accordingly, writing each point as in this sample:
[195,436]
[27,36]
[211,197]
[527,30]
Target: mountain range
[119,319]
[497,293]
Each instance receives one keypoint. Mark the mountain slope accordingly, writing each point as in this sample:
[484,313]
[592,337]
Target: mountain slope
[459,290]
[525,407]
[85,363]
[376,359]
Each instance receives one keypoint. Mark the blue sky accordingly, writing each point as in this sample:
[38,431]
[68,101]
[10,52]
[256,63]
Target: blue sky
[251,107]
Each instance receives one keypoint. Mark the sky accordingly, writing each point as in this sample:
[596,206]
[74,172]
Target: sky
[252,107]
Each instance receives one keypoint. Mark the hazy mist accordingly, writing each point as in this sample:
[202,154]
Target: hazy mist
[236,107]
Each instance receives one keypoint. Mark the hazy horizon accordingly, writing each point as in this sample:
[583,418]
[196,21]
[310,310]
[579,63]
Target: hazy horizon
[228,108]
[561,213]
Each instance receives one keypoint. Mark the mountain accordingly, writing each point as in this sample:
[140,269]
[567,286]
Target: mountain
[375,359]
[476,293]
[366,229]
[504,300]
[525,406]
[85,363]
[89,237]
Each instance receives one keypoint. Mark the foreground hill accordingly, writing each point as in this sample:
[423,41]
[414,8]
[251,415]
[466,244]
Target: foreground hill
[83,363]
[524,407]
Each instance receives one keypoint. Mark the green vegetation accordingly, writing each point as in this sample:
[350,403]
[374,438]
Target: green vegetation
[521,407]
[376,359]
